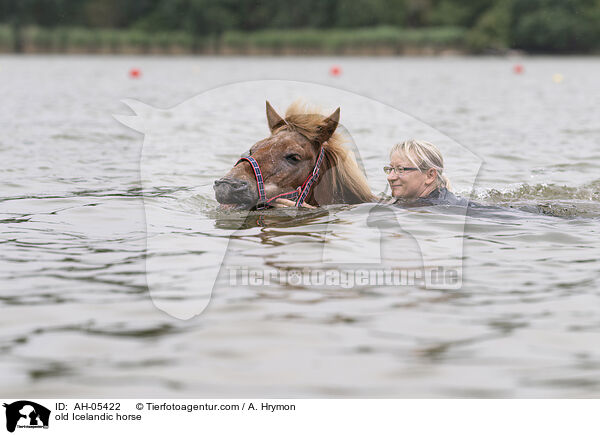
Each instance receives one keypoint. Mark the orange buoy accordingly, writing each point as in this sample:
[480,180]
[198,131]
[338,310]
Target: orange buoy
[335,70]
[518,69]
[135,73]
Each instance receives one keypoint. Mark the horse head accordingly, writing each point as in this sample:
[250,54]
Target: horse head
[286,158]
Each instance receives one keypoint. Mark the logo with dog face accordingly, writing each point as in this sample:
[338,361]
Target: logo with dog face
[24,414]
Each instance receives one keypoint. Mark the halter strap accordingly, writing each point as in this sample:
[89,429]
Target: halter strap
[262,198]
[310,179]
[299,194]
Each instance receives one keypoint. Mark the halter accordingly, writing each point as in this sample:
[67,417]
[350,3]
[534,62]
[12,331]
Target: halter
[299,194]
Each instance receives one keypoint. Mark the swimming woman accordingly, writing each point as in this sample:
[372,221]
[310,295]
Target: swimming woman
[416,175]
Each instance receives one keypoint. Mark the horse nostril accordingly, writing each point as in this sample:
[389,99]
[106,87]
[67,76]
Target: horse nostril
[239,186]
[232,183]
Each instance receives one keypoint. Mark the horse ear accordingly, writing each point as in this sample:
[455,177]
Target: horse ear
[275,121]
[327,127]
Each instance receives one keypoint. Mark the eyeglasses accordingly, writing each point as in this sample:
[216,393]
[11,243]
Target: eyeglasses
[399,170]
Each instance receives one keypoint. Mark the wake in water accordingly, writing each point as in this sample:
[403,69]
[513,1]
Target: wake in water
[547,199]
[538,199]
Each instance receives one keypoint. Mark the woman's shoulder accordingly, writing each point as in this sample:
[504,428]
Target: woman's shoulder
[447,197]
[442,196]
[439,196]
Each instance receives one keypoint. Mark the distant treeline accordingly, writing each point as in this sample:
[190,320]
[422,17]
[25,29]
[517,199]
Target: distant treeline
[383,40]
[312,26]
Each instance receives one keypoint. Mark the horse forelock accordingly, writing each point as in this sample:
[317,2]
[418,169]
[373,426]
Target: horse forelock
[304,118]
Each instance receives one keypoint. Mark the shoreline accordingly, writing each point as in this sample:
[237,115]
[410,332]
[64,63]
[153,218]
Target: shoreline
[382,53]
[364,42]
[372,41]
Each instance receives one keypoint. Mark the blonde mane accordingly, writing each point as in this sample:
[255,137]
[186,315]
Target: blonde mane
[341,180]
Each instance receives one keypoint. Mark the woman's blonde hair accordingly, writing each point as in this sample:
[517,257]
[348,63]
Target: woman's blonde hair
[423,155]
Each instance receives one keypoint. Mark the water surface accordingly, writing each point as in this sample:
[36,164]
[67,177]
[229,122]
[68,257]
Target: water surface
[77,318]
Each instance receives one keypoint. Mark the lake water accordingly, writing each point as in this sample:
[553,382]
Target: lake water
[80,293]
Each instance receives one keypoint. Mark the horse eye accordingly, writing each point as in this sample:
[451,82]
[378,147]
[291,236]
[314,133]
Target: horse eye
[293,158]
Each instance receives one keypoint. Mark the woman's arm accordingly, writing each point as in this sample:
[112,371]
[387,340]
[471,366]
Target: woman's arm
[281,202]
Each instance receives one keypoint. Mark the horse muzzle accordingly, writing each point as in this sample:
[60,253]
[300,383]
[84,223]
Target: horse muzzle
[235,192]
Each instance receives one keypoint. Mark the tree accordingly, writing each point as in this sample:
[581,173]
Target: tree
[555,25]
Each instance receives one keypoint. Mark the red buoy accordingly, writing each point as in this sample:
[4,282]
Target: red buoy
[518,69]
[135,73]
[335,71]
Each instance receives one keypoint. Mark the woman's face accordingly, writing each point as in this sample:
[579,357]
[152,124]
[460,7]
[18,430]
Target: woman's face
[412,184]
